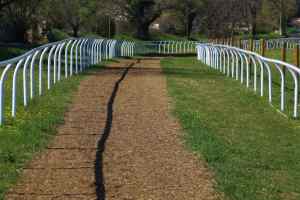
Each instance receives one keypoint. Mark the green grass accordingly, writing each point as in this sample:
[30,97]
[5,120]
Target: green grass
[276,80]
[153,36]
[252,150]
[164,36]
[10,52]
[127,37]
[276,54]
[21,138]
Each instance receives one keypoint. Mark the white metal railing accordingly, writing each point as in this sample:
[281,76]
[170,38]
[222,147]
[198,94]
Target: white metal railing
[290,43]
[248,67]
[58,60]
[70,56]
[167,47]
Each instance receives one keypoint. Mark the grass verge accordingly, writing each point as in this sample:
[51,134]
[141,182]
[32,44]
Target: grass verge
[252,150]
[276,80]
[276,54]
[10,52]
[34,127]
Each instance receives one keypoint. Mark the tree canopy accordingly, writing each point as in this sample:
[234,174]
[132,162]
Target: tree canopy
[218,18]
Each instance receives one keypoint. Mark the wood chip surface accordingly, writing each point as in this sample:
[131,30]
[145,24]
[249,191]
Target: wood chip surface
[118,142]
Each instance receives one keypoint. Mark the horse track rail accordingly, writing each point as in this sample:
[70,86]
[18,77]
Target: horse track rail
[63,59]
[248,67]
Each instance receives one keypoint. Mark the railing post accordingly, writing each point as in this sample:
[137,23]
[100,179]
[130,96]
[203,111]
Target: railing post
[76,56]
[297,61]
[2,92]
[32,74]
[82,54]
[41,71]
[48,69]
[296,55]
[262,47]
[251,47]
[14,89]
[72,56]
[283,56]
[60,61]
[66,58]
[240,43]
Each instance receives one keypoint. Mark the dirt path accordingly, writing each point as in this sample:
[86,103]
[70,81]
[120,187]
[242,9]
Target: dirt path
[118,142]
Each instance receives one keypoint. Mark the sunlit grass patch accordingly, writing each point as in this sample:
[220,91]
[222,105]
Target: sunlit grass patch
[252,149]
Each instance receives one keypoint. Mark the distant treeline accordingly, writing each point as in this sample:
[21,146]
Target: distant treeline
[28,21]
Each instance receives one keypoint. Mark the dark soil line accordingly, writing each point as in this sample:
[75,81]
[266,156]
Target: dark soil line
[99,177]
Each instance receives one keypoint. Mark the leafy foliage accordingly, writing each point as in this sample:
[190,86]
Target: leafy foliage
[57,35]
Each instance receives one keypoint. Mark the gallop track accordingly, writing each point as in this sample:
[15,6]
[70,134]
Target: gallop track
[118,142]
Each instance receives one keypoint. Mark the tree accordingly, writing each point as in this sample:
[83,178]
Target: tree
[23,15]
[67,14]
[104,18]
[55,15]
[5,3]
[298,8]
[189,10]
[253,8]
[141,13]
[75,13]
[223,17]
[283,8]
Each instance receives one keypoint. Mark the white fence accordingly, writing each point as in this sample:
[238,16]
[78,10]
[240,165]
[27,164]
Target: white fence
[55,61]
[256,71]
[60,60]
[167,47]
[289,43]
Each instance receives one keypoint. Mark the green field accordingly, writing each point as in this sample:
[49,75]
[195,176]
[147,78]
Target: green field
[276,54]
[252,149]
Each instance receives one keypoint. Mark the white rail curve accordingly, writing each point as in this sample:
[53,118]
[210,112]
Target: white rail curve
[70,56]
[290,43]
[248,67]
[61,60]
[167,47]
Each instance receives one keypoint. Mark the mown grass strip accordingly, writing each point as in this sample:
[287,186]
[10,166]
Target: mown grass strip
[276,54]
[34,126]
[252,149]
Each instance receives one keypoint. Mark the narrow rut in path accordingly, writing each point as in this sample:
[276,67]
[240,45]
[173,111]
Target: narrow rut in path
[99,177]
[118,142]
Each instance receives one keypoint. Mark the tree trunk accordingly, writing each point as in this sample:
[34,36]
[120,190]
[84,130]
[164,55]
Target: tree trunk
[143,31]
[190,21]
[109,27]
[283,25]
[145,14]
[283,20]
[75,31]
[253,22]
[254,29]
[21,33]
